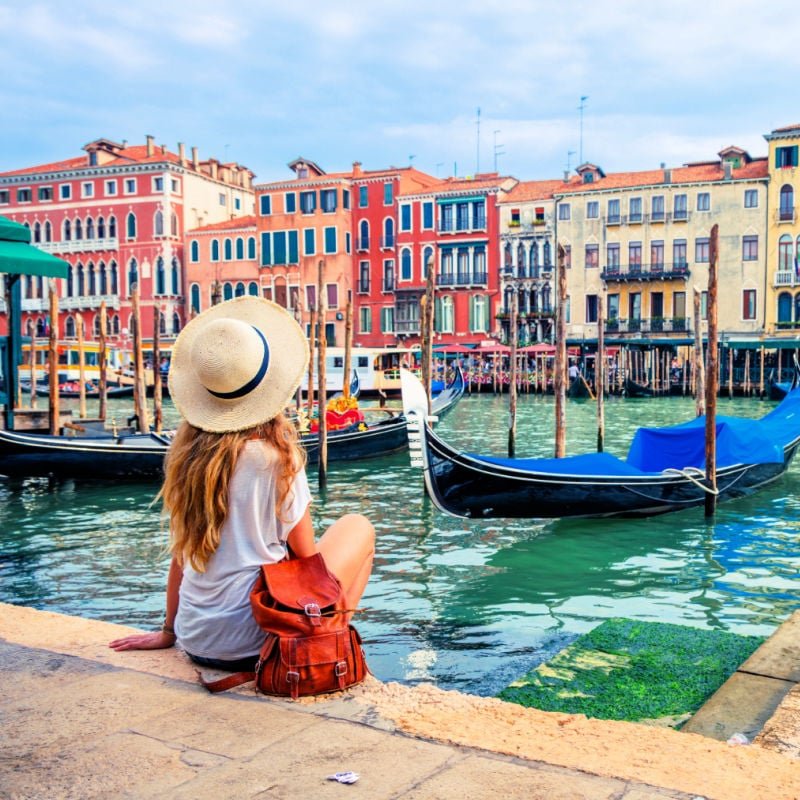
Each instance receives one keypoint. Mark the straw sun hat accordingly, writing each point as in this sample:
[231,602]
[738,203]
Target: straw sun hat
[236,365]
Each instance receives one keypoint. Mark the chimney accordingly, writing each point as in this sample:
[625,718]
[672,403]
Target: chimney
[182,153]
[728,167]
[150,143]
[213,164]
[195,159]
[356,169]
[667,175]
[566,176]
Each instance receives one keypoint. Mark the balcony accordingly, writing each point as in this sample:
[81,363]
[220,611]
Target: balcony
[462,279]
[658,217]
[613,219]
[406,325]
[388,283]
[387,242]
[645,272]
[652,325]
[680,215]
[635,219]
[80,245]
[785,215]
[362,244]
[786,278]
[363,286]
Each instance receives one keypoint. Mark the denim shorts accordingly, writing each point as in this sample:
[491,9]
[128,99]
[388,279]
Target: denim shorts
[247,664]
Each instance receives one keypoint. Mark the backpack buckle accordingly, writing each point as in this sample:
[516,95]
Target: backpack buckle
[340,669]
[313,612]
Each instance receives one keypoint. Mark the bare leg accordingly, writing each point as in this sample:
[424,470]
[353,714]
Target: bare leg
[348,547]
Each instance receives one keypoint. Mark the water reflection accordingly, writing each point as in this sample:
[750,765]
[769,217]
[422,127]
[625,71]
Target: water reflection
[465,604]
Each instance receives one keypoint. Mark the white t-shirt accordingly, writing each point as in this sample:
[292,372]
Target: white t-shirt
[214,617]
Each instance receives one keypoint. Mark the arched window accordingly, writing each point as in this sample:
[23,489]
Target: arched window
[239,289]
[81,283]
[69,327]
[508,259]
[388,233]
[534,260]
[227,292]
[797,307]
[194,295]
[89,228]
[29,327]
[405,264]
[162,324]
[115,325]
[48,232]
[101,228]
[133,274]
[363,235]
[785,255]
[215,249]
[784,307]
[160,281]
[175,276]
[478,315]
[176,323]
[173,224]
[112,227]
[547,261]
[239,248]
[114,280]
[92,282]
[194,250]
[131,225]
[70,281]
[96,326]
[77,230]
[252,288]
[103,278]
[37,232]
[158,223]
[41,327]
[479,265]
[251,247]
[446,325]
[427,259]
[786,202]
[228,249]
[67,231]
[521,260]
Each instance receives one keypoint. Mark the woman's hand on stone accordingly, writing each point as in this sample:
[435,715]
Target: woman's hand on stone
[157,640]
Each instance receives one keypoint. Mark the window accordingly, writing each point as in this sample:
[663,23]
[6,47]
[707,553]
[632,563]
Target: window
[388,275]
[679,207]
[4,196]
[332,292]
[387,320]
[591,308]
[101,228]
[592,256]
[348,242]
[160,280]
[130,226]
[388,194]
[701,250]
[48,231]
[174,186]
[112,227]
[45,194]
[23,195]
[252,289]
[613,307]
[363,277]
[388,233]
[749,248]
[251,247]
[462,216]
[89,228]
[308,202]
[311,296]
[749,304]
[427,216]
[194,251]
[65,191]
[657,208]
[365,318]
[237,203]
[479,215]
[363,235]
[405,264]
[478,314]
[239,248]
[634,306]
[265,205]
[158,224]
[158,184]
[679,305]
[613,212]
[327,200]
[345,199]
[363,196]
[194,295]
[592,209]
[563,211]
[446,223]
[111,188]
[679,254]
[130,185]
[290,202]
[703,201]
[227,249]
[67,231]
[427,261]
[612,256]
[215,249]
[222,198]
[656,307]
[786,157]
[785,253]
[635,256]
[330,240]
[635,209]
[405,217]
[786,209]
[751,198]
[446,323]
[309,242]
[657,255]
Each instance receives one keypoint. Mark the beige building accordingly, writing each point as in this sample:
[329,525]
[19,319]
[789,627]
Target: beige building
[640,240]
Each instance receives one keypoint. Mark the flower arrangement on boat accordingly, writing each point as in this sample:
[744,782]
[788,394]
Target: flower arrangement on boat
[341,412]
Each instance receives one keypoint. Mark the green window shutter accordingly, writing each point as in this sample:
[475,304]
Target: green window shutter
[472,313]
[293,247]
[266,249]
[309,244]
[437,314]
[330,240]
[794,155]
[279,247]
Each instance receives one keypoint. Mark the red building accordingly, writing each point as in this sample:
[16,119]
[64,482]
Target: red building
[117,214]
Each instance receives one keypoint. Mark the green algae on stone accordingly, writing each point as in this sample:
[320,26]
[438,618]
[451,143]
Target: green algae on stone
[630,670]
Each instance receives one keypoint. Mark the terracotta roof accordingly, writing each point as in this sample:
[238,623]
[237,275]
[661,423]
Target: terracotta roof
[540,190]
[228,224]
[786,128]
[465,184]
[698,173]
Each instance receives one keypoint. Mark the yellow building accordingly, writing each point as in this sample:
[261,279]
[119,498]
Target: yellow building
[641,240]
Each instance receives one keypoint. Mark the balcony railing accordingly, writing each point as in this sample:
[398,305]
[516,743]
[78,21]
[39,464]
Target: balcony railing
[362,244]
[462,226]
[536,313]
[651,325]
[388,283]
[535,273]
[658,216]
[786,278]
[406,325]
[387,242]
[645,272]
[461,278]
[613,219]
[79,245]
[785,215]
[363,286]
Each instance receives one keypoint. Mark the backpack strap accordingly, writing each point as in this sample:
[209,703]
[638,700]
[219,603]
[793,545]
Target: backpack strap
[228,682]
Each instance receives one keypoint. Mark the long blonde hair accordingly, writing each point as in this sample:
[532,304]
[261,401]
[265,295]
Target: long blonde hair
[198,471]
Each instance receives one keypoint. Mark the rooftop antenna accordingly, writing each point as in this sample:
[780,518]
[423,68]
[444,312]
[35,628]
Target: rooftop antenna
[478,158]
[570,153]
[498,150]
[438,165]
[581,107]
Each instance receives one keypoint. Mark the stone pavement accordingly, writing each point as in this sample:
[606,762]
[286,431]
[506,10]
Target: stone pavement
[80,721]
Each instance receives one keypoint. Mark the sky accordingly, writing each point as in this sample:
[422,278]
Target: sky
[396,83]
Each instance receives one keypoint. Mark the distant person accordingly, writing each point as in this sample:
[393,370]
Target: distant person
[235,484]
[573,370]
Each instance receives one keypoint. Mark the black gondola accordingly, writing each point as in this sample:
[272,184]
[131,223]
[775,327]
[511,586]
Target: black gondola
[91,394]
[141,456]
[662,472]
[578,388]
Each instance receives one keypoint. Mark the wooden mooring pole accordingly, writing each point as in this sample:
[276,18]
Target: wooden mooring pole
[139,387]
[427,334]
[348,344]
[711,387]
[158,413]
[322,393]
[698,366]
[560,370]
[312,343]
[81,369]
[52,360]
[599,374]
[102,388]
[512,384]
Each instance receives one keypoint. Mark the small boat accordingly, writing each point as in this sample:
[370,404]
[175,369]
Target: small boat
[68,390]
[103,455]
[634,389]
[578,388]
[664,469]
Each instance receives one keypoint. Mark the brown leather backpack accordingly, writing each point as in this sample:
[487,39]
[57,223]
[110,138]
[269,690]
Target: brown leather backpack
[310,649]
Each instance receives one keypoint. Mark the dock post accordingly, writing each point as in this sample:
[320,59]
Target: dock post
[81,369]
[560,369]
[348,344]
[312,339]
[322,391]
[139,387]
[599,374]
[158,414]
[102,389]
[711,387]
[52,360]
[512,384]
[698,368]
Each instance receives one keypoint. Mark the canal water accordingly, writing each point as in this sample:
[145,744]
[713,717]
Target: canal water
[463,604]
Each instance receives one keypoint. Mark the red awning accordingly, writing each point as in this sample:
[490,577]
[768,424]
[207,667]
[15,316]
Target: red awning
[453,348]
[539,349]
[493,348]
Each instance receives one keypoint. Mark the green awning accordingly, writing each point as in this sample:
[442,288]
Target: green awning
[18,257]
